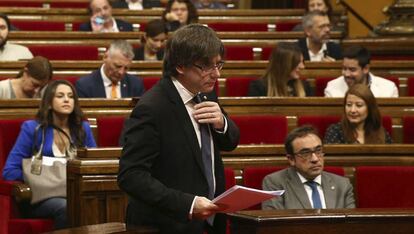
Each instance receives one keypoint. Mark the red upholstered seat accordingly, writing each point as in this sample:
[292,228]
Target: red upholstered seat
[392,57]
[69,4]
[321,123]
[229,177]
[285,26]
[238,27]
[38,25]
[394,79]
[71,79]
[149,82]
[385,186]
[320,85]
[266,52]
[261,129]
[238,86]
[109,130]
[20,3]
[10,221]
[410,86]
[408,129]
[66,52]
[239,53]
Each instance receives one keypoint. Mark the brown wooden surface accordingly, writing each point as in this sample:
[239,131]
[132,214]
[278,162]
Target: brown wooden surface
[104,228]
[336,221]
[94,196]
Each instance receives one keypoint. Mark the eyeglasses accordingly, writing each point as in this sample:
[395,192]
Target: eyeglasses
[209,69]
[307,153]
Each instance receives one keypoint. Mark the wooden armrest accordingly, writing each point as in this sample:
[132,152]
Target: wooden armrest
[22,192]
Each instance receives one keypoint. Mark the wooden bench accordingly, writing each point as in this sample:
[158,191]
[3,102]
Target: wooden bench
[94,196]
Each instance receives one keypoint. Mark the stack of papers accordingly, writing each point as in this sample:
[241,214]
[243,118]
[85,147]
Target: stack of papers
[238,198]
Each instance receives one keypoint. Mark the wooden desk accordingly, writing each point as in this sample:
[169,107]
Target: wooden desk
[105,228]
[94,196]
[336,221]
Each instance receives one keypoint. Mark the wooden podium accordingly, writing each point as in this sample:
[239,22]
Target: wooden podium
[338,221]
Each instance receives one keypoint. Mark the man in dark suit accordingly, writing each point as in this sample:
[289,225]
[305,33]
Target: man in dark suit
[305,183]
[112,79]
[101,19]
[136,4]
[170,166]
[316,45]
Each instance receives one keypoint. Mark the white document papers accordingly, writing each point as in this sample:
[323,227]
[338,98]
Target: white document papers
[238,198]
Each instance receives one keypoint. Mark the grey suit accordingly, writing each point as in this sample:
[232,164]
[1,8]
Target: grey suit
[337,190]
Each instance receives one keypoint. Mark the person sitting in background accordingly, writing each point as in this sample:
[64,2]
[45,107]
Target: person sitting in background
[282,77]
[355,70]
[316,45]
[152,47]
[29,82]
[136,4]
[10,51]
[305,183]
[324,6]
[112,79]
[61,118]
[361,122]
[178,13]
[209,4]
[101,19]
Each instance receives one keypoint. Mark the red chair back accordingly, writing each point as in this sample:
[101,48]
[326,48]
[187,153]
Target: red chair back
[66,52]
[238,86]
[229,177]
[266,52]
[239,53]
[321,123]
[20,3]
[320,85]
[38,25]
[109,130]
[239,27]
[149,82]
[410,86]
[385,186]
[261,129]
[71,79]
[408,129]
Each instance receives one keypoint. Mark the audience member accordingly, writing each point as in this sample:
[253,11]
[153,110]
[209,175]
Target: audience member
[361,122]
[305,183]
[178,13]
[101,19]
[10,51]
[152,47]
[61,119]
[112,79]
[136,4]
[29,82]
[355,70]
[170,166]
[282,77]
[208,4]
[316,45]
[315,5]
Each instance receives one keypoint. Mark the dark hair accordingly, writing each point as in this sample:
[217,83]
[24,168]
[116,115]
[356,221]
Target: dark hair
[6,19]
[299,132]
[189,44]
[154,28]
[45,113]
[284,58]
[327,4]
[374,133]
[359,53]
[39,68]
[192,11]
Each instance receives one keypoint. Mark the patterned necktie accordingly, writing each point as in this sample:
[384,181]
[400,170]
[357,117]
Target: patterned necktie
[114,93]
[316,199]
[206,151]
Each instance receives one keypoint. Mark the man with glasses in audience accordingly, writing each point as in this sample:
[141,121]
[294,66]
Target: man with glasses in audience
[170,166]
[305,183]
[316,45]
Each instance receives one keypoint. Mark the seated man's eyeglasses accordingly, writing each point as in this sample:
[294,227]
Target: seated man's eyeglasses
[307,153]
[210,68]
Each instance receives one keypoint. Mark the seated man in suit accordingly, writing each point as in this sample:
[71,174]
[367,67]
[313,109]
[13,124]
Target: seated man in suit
[136,4]
[316,45]
[101,19]
[355,69]
[112,79]
[305,183]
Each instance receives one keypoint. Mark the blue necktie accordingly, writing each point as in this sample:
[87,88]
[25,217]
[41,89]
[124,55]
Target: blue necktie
[206,151]
[316,199]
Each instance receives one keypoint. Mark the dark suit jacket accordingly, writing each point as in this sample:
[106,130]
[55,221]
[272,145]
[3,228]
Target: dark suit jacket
[334,50]
[123,26]
[337,190]
[145,4]
[139,54]
[161,167]
[91,86]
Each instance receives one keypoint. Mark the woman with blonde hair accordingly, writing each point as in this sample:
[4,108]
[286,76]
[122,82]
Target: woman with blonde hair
[361,122]
[282,77]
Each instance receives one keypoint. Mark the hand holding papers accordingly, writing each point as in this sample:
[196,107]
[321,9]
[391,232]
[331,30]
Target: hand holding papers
[238,198]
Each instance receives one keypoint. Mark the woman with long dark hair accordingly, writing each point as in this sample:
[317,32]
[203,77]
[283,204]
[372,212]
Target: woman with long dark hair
[179,13]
